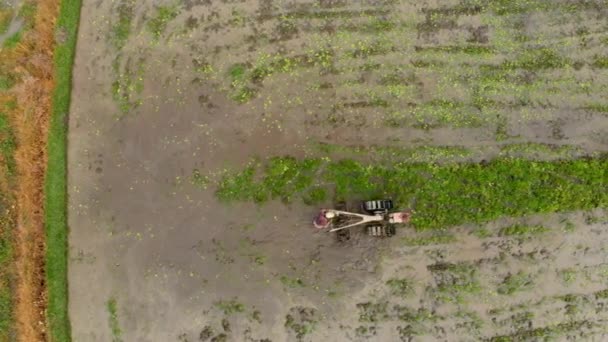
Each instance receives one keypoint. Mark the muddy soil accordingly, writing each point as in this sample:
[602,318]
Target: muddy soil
[150,108]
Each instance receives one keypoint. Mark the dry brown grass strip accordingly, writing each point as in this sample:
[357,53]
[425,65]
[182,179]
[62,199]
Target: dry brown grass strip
[32,62]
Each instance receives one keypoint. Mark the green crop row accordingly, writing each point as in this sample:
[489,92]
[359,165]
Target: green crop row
[441,195]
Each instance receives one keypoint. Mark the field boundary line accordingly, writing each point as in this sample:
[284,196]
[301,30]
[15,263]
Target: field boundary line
[56,226]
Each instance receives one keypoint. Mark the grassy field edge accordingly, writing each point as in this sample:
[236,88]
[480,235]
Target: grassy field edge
[56,177]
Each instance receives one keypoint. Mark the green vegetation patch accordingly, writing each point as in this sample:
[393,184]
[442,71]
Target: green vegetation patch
[373,312]
[537,150]
[6,259]
[454,281]
[600,62]
[292,282]
[466,49]
[440,112]
[122,28]
[546,333]
[55,190]
[8,145]
[128,85]
[522,230]
[400,287]
[284,177]
[537,59]
[113,320]
[229,307]
[301,321]
[513,7]
[158,24]
[444,195]
[515,283]
[597,107]
[12,41]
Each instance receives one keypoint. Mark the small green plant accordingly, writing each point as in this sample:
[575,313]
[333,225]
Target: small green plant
[122,28]
[373,312]
[597,107]
[292,282]
[260,259]
[502,132]
[243,94]
[569,227]
[8,144]
[515,283]
[600,62]
[113,320]
[400,287]
[537,59]
[237,72]
[229,307]
[454,281]
[157,25]
[482,233]
[128,86]
[301,321]
[568,275]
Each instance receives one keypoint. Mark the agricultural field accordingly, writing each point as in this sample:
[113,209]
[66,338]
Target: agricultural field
[204,136]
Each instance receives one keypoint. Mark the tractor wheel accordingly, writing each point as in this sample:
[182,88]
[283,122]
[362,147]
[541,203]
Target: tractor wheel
[377,230]
[378,206]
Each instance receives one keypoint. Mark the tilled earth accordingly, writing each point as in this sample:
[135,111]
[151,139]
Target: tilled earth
[164,89]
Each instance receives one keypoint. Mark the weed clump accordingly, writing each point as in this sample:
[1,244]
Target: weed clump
[157,25]
[292,282]
[537,59]
[600,62]
[229,307]
[301,321]
[515,283]
[454,281]
[400,287]
[122,28]
[521,230]
[372,312]
[113,318]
